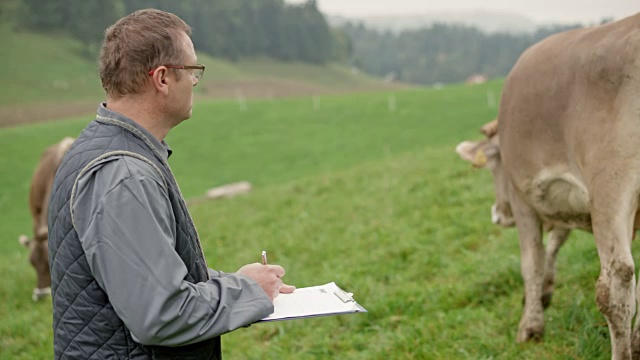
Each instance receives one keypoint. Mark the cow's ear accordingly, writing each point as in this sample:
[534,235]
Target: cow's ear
[470,151]
[479,153]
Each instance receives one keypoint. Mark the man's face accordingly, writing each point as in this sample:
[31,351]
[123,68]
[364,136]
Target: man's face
[182,96]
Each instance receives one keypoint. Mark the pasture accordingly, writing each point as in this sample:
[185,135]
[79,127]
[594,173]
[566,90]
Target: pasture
[345,190]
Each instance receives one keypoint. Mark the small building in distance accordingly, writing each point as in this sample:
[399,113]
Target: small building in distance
[476,79]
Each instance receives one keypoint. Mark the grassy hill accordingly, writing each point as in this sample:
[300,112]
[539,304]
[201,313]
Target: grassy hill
[47,75]
[41,68]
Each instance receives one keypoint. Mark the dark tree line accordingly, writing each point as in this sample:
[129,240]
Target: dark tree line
[231,29]
[440,53]
[236,29]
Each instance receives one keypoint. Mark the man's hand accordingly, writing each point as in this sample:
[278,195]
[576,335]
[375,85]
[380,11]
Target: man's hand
[268,277]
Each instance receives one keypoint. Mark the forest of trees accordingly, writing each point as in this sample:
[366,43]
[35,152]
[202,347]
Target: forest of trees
[439,53]
[237,29]
[231,29]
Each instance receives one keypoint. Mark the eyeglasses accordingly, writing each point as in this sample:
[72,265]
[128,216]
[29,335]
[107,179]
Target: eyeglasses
[196,70]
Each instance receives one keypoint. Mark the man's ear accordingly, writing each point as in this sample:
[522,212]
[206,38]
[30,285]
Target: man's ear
[160,79]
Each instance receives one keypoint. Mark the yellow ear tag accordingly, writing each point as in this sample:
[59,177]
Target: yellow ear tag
[480,159]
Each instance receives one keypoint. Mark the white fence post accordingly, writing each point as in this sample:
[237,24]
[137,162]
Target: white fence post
[491,99]
[242,102]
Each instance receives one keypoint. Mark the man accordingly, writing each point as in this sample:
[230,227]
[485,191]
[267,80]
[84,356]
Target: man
[129,279]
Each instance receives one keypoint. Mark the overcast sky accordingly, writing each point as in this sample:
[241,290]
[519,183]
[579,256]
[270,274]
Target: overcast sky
[540,11]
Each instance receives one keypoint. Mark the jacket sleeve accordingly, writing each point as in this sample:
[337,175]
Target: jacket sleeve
[127,229]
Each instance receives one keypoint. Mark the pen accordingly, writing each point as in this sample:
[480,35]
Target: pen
[264,257]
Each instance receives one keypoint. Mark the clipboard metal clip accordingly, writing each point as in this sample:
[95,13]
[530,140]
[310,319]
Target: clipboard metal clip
[343,295]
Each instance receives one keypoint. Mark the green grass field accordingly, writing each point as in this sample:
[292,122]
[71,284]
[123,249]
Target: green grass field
[347,191]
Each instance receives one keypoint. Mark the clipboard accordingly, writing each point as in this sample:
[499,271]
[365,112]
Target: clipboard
[314,301]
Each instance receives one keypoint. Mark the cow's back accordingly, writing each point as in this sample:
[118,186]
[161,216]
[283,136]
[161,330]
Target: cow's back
[42,180]
[568,107]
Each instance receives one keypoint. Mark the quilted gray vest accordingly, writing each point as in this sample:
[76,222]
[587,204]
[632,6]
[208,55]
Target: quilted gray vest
[85,326]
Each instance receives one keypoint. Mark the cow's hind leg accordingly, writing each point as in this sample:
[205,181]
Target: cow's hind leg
[532,267]
[635,340]
[613,231]
[557,238]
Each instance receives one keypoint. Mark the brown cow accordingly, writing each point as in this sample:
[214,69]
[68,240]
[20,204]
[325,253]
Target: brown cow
[569,132]
[39,194]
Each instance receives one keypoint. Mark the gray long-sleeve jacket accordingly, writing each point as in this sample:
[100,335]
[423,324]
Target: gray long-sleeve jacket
[124,221]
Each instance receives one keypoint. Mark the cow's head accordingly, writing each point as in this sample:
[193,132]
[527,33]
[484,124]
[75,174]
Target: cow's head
[486,154]
[39,258]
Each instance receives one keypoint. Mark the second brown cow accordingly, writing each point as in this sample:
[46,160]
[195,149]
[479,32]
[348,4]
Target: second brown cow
[39,194]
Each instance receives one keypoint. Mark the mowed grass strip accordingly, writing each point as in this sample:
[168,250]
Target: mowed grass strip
[350,191]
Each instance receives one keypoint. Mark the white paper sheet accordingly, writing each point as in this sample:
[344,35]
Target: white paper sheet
[313,301]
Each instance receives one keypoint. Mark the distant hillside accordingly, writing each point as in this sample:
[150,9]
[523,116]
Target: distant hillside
[487,21]
[46,76]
